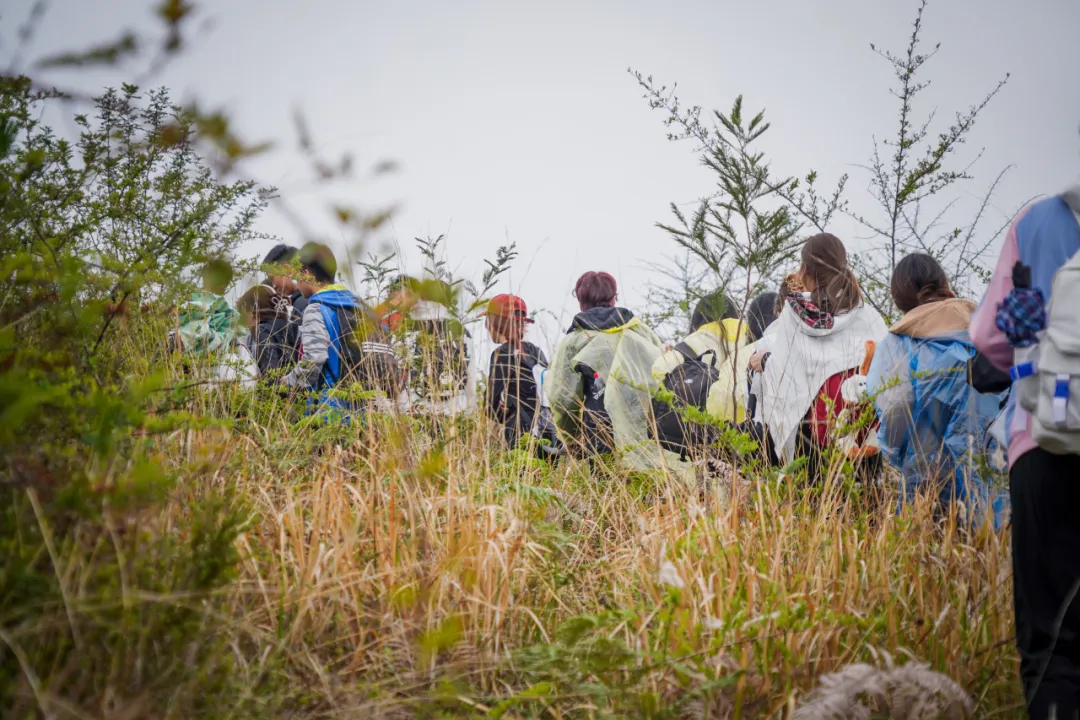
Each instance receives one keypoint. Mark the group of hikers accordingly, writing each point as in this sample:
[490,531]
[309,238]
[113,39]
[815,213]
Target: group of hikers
[947,395]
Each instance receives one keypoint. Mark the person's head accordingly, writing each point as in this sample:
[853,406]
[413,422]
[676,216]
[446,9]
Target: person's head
[399,293]
[826,276]
[507,316]
[761,314]
[262,302]
[280,255]
[712,308]
[320,267]
[919,279]
[217,276]
[596,289]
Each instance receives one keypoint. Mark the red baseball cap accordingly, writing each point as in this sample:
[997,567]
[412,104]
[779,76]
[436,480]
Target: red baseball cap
[508,306]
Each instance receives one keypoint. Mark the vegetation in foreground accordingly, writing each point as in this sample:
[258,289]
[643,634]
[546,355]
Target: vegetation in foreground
[177,549]
[411,570]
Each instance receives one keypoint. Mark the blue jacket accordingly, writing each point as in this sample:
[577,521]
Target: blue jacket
[933,423]
[328,302]
[321,333]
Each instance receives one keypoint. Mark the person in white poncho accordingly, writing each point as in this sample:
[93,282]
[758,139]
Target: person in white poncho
[818,341]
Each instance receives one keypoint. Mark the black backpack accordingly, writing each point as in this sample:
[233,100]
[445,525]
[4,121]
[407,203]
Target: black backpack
[598,434]
[690,383]
[275,345]
[366,355]
[440,359]
[548,445]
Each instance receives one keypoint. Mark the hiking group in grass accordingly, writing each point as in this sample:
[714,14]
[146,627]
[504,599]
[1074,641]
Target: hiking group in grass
[949,396]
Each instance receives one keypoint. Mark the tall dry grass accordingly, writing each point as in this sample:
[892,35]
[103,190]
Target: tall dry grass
[412,567]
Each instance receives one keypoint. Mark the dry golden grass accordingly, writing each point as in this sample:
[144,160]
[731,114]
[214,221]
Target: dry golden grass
[402,575]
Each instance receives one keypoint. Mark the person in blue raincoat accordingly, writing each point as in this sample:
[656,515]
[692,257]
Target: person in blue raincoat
[934,424]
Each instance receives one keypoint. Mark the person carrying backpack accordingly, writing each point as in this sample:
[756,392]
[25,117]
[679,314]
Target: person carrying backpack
[761,313]
[933,423]
[343,343]
[816,344]
[274,324]
[435,349]
[207,327]
[1040,344]
[706,371]
[599,382]
[515,392]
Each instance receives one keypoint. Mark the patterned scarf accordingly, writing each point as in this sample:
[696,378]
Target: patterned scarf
[810,313]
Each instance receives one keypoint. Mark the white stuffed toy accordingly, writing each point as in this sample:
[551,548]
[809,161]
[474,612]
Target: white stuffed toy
[853,393]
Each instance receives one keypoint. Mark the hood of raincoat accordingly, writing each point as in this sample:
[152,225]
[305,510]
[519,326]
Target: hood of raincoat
[935,319]
[602,319]
[339,296]
[730,329]
[335,296]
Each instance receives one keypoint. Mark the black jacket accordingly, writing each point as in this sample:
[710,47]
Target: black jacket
[512,396]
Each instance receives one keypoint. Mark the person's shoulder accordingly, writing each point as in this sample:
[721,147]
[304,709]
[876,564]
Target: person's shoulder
[531,349]
[312,313]
[1052,218]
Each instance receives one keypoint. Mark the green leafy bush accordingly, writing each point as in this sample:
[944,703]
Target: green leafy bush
[107,602]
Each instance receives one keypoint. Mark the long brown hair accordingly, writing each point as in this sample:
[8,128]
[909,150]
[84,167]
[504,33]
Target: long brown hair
[824,260]
[919,279]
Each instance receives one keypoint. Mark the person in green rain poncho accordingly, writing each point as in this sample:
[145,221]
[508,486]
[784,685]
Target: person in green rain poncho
[600,380]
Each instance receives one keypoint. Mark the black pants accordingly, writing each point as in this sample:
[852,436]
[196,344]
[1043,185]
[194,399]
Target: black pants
[1045,493]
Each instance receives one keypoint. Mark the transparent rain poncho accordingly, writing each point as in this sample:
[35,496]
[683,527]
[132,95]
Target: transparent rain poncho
[623,356]
[934,425]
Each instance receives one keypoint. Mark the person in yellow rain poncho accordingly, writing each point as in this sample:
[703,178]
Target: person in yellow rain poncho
[716,329]
[599,382]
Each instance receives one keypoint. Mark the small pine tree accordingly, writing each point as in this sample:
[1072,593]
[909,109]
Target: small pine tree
[744,232]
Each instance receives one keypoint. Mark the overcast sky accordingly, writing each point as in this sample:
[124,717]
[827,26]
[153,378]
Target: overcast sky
[518,121]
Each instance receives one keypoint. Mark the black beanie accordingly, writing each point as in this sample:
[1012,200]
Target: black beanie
[319,260]
[712,308]
[279,254]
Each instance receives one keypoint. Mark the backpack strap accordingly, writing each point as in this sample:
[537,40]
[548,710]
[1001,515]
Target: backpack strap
[332,368]
[688,353]
[1023,370]
[1061,399]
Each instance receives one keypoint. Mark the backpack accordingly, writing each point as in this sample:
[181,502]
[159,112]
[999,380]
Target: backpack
[439,363]
[205,324]
[275,344]
[598,433]
[543,428]
[1047,374]
[690,383]
[362,353]
[274,341]
[365,356]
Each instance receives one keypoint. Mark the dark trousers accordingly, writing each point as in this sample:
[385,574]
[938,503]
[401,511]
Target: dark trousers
[1045,494]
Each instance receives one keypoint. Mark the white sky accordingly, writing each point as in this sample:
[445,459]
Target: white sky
[518,120]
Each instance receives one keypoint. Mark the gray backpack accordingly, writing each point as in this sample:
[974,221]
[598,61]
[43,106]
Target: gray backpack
[1047,374]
